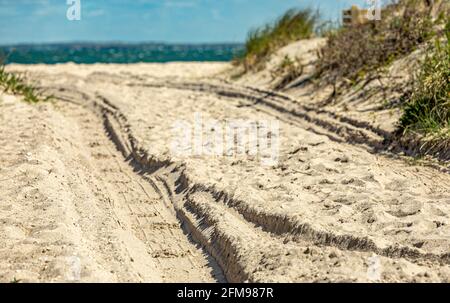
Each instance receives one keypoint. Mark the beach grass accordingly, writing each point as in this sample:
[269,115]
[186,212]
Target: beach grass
[428,110]
[293,25]
[17,85]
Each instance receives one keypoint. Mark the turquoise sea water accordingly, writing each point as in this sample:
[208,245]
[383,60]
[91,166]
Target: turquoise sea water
[117,53]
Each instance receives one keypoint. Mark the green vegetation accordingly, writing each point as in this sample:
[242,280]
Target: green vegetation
[262,42]
[356,54]
[16,84]
[428,110]
[353,52]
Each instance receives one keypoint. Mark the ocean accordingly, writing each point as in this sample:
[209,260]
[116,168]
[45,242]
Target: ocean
[117,53]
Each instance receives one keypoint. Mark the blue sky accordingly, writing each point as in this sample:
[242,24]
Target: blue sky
[197,21]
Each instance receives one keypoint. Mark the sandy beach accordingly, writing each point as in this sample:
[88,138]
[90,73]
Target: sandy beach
[91,179]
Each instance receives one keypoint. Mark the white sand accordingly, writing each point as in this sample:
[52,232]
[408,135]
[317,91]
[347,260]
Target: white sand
[330,210]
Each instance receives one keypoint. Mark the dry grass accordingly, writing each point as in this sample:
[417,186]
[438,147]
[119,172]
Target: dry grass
[287,71]
[352,53]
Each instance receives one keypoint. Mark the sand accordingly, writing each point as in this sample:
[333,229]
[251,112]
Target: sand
[91,186]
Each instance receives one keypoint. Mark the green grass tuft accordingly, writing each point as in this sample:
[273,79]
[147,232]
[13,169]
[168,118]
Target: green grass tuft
[428,110]
[263,41]
[17,85]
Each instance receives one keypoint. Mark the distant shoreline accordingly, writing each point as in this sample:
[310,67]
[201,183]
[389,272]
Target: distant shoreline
[117,52]
[115,43]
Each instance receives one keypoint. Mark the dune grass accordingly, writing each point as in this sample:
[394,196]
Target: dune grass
[428,110]
[17,85]
[295,24]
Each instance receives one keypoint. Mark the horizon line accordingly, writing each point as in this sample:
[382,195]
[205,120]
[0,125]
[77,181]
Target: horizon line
[110,42]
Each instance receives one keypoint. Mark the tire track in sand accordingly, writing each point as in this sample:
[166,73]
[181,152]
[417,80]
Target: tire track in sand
[140,208]
[229,234]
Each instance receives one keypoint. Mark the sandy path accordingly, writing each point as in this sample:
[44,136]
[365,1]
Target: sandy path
[337,207]
[80,212]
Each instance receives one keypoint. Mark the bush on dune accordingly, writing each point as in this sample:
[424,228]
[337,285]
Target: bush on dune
[353,52]
[360,52]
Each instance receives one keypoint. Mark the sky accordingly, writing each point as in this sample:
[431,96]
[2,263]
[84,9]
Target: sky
[172,21]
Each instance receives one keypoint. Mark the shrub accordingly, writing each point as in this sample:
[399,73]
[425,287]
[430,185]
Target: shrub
[358,50]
